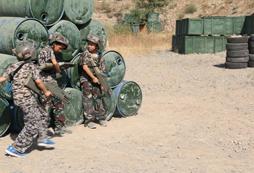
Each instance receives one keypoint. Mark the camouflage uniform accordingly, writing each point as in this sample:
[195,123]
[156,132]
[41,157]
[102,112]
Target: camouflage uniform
[35,116]
[92,102]
[45,56]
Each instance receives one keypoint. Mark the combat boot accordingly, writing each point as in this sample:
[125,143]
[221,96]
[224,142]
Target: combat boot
[62,130]
[103,123]
[91,125]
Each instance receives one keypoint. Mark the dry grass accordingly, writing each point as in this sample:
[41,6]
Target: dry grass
[129,44]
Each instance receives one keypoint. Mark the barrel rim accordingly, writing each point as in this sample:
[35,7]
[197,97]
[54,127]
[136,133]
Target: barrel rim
[30,9]
[10,116]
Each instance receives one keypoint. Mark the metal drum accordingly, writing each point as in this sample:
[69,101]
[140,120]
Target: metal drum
[62,79]
[109,106]
[5,116]
[17,122]
[115,67]
[78,11]
[74,73]
[72,33]
[129,98]
[6,87]
[47,11]
[14,30]
[95,27]
[74,110]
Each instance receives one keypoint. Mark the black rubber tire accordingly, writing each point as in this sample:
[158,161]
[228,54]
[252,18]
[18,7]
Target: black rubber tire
[243,39]
[237,53]
[251,37]
[235,65]
[251,64]
[251,45]
[236,46]
[242,59]
[251,57]
[251,51]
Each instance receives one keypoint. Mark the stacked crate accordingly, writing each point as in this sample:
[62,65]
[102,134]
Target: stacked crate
[206,34]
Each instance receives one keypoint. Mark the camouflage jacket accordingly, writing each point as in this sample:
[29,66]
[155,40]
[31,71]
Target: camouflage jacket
[22,94]
[45,56]
[84,59]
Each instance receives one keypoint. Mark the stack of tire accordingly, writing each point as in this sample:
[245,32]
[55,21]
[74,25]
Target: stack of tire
[251,51]
[237,52]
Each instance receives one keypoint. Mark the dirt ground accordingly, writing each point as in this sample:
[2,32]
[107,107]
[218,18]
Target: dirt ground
[196,116]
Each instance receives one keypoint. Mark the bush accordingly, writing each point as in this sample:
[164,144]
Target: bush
[105,7]
[180,16]
[191,9]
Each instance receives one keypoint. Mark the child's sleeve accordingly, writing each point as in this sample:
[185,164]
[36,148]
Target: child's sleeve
[7,72]
[83,59]
[103,65]
[35,72]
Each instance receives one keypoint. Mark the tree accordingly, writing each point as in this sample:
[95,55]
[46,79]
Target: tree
[145,7]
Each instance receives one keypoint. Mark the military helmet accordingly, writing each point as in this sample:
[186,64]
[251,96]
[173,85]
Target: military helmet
[60,39]
[25,50]
[95,39]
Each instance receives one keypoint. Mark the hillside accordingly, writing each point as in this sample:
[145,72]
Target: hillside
[111,12]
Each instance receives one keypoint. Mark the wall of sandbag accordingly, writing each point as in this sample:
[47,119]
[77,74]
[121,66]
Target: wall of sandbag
[35,20]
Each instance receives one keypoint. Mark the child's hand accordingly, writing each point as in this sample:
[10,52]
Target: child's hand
[102,88]
[48,94]
[95,80]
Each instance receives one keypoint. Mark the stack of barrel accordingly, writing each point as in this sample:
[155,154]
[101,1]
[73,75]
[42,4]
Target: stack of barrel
[35,20]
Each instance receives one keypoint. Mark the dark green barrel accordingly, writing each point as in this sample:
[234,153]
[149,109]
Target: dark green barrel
[95,27]
[129,98]
[6,87]
[74,111]
[75,72]
[115,67]
[110,106]
[47,11]
[5,116]
[72,33]
[78,11]
[62,79]
[13,30]
[17,122]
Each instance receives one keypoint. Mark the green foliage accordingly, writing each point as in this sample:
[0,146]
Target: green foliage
[118,29]
[144,7]
[172,5]
[252,5]
[191,9]
[105,7]
[180,16]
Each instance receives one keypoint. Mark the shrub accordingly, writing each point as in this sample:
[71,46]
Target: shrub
[191,8]
[180,16]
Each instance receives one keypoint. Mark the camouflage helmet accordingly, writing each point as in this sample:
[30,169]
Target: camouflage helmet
[25,50]
[60,39]
[95,39]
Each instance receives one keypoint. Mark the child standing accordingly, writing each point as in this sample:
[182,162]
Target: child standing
[47,55]
[90,86]
[35,117]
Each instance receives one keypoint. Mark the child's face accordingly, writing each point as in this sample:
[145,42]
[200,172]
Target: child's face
[59,48]
[91,46]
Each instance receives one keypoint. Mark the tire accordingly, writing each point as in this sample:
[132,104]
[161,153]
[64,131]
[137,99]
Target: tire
[243,39]
[251,51]
[251,37]
[238,53]
[236,46]
[251,57]
[235,65]
[242,59]
[251,45]
[251,64]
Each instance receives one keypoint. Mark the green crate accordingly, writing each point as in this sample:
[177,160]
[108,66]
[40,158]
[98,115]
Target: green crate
[192,26]
[153,17]
[239,25]
[135,28]
[220,43]
[249,24]
[214,25]
[177,43]
[178,27]
[129,18]
[154,27]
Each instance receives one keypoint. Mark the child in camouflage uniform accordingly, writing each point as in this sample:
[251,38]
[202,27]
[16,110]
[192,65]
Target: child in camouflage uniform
[90,86]
[35,116]
[47,54]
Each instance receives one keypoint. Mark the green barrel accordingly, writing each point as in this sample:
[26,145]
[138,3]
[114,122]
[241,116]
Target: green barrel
[62,79]
[110,106]
[5,116]
[74,110]
[78,11]
[47,11]
[115,67]
[72,33]
[6,87]
[14,30]
[129,98]
[95,27]
[17,121]
[74,73]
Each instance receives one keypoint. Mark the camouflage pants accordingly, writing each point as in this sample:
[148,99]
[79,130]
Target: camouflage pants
[92,104]
[58,110]
[35,120]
